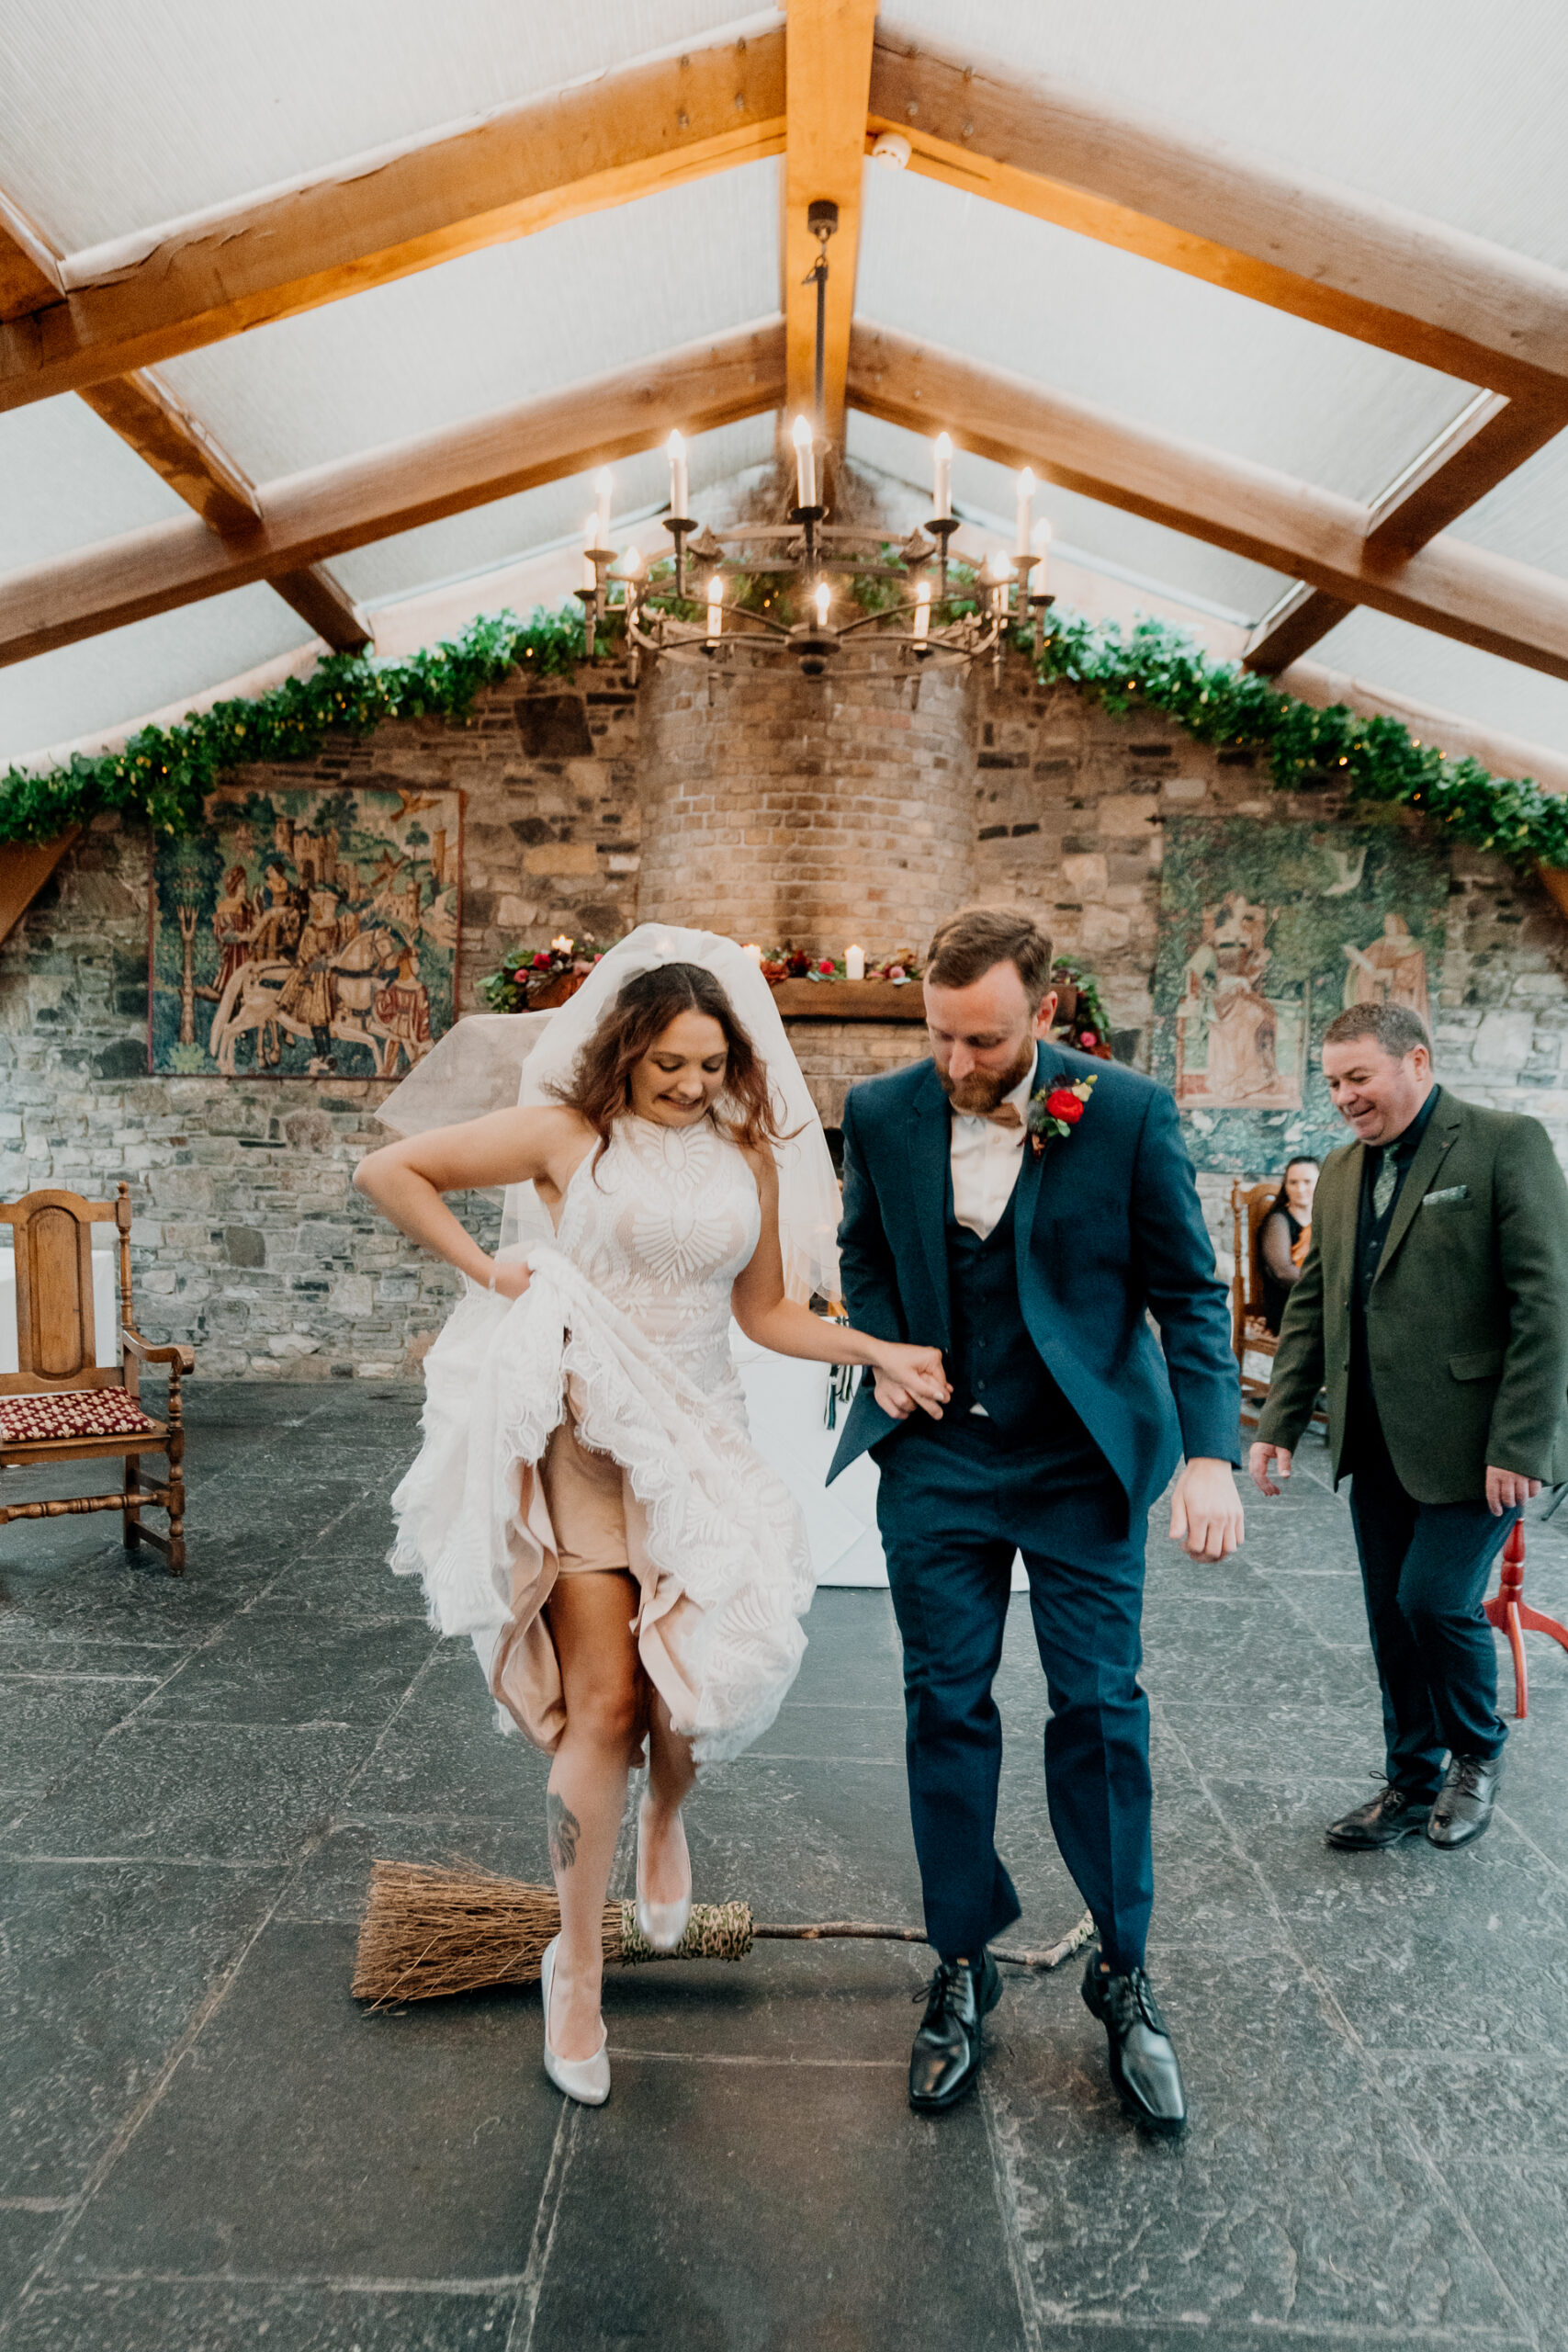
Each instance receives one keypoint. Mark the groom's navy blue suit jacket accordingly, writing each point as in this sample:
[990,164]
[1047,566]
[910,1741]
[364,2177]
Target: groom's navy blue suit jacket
[1106,1225]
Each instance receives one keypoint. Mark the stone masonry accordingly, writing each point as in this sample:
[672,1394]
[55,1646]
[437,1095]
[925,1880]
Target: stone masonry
[250,1241]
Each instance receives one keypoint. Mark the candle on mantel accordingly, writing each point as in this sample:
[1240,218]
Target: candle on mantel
[922,610]
[679,493]
[1042,556]
[590,541]
[753,953]
[942,495]
[1025,510]
[715,605]
[854,962]
[805,464]
[604,483]
[824,598]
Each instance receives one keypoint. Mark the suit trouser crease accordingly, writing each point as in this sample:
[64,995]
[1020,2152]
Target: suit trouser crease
[1425,1569]
[951,1516]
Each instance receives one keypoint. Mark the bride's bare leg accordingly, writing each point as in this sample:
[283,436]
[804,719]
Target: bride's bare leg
[666,1866]
[590,1622]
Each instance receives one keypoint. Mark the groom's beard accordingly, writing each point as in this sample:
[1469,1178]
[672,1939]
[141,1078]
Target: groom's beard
[984,1089]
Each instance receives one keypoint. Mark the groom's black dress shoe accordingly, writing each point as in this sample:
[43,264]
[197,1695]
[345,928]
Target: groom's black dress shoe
[1384,1820]
[1463,1806]
[945,2060]
[1143,2066]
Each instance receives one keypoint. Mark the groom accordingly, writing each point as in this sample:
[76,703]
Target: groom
[1028,1208]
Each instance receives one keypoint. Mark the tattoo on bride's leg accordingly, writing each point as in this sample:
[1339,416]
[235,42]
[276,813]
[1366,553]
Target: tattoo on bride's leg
[564,1829]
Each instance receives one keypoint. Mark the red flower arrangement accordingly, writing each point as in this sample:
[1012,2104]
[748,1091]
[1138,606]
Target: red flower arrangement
[1056,1109]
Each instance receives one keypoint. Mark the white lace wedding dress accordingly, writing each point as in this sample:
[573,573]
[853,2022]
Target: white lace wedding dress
[631,1305]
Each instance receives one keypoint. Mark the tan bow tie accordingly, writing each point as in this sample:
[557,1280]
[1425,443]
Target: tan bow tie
[1004,1115]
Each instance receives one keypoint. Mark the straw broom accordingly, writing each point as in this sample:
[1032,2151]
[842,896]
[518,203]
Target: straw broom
[427,1932]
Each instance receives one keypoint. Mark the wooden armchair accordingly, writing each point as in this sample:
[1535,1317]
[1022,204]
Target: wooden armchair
[1250,1335]
[61,1404]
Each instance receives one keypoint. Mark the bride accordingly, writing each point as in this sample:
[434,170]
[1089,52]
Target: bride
[587,1503]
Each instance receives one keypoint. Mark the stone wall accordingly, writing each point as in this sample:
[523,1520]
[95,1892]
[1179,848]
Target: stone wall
[818,810]
[250,1241]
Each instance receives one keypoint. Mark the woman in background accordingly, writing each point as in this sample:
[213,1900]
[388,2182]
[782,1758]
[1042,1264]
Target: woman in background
[1286,1236]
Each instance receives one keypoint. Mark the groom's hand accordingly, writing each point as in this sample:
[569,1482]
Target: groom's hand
[1205,1511]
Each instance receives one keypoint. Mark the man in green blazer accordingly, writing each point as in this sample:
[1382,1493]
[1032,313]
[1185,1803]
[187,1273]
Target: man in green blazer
[1433,1307]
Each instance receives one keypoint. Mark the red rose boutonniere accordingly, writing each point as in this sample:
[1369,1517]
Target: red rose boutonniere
[1056,1109]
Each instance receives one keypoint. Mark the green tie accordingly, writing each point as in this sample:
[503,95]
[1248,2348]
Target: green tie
[1383,1184]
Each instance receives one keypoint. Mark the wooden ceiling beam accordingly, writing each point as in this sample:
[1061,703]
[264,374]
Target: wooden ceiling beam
[828,46]
[628,133]
[1458,590]
[29,274]
[1485,443]
[309,517]
[1338,257]
[167,437]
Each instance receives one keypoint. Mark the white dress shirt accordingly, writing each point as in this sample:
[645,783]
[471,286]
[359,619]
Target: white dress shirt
[985,1161]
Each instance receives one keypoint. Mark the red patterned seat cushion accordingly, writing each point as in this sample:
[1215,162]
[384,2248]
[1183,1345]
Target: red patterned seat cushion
[71,1412]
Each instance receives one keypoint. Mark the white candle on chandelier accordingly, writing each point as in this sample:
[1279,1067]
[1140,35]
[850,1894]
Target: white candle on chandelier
[679,491]
[590,541]
[603,484]
[1025,512]
[805,464]
[753,953]
[824,598]
[922,610]
[941,496]
[715,605]
[1042,556]
[854,962]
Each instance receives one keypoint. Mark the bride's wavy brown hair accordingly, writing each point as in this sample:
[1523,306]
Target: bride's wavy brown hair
[599,1088]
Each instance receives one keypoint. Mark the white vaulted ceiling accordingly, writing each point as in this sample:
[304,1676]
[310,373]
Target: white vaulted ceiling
[115,122]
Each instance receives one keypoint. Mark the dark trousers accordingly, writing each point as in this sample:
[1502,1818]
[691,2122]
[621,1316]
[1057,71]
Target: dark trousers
[1425,1568]
[956,1499]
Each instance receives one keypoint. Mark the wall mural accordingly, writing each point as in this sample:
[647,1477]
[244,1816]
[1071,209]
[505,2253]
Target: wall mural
[1266,932]
[306,934]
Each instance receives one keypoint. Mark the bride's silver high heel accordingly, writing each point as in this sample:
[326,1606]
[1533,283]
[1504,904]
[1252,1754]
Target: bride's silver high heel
[660,1924]
[585,2079]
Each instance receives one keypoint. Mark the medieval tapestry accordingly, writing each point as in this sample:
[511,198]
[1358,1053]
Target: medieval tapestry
[1266,932]
[306,934]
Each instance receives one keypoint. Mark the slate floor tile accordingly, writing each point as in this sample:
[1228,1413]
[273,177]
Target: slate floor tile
[407,2147]
[333,1881]
[23,2239]
[166,2316]
[195,1793]
[1296,2199]
[444,1755]
[47,1725]
[101,1970]
[280,1662]
[880,2227]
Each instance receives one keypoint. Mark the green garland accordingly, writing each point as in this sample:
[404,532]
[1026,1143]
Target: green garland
[1160,668]
[164,774]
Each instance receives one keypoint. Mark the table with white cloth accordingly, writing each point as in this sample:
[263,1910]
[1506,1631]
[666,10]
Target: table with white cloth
[106,1307]
[786,1403]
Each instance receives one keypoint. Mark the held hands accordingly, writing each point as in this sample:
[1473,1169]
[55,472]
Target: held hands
[1205,1511]
[909,1377]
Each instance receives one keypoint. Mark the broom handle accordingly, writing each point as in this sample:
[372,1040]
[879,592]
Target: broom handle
[865,1931]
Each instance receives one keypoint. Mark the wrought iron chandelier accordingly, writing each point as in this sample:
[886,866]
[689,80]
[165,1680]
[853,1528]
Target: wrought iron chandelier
[809,590]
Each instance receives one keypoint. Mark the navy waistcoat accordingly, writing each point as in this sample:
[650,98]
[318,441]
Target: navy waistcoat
[993,1360]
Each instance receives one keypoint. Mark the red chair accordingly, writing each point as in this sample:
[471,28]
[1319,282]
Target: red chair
[1511,1613]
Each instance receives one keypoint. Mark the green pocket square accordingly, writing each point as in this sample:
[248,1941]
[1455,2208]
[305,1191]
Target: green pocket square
[1456,1196]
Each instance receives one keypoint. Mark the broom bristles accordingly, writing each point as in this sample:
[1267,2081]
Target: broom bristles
[427,1932]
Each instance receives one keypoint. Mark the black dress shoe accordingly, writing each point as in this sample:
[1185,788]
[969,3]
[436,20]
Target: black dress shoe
[945,2060]
[1143,2064]
[1383,1821]
[1464,1808]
